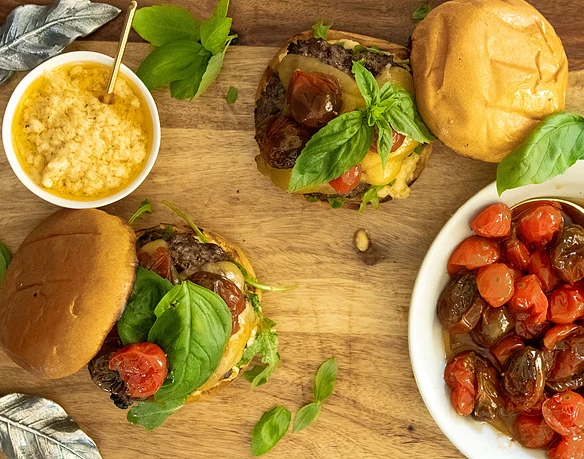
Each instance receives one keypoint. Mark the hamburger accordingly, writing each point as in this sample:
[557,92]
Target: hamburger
[486,73]
[321,137]
[161,316]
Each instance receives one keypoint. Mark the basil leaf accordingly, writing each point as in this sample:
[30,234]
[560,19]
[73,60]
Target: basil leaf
[189,87]
[151,415]
[145,208]
[5,258]
[214,33]
[213,69]
[231,97]
[306,416]
[371,196]
[270,429]
[221,9]
[192,327]
[325,379]
[266,344]
[171,62]
[421,12]
[338,146]
[373,49]
[321,30]
[407,126]
[138,317]
[384,140]
[551,148]
[336,203]
[367,84]
[162,24]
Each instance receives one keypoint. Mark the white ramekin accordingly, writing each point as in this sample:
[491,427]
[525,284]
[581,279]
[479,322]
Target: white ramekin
[70,58]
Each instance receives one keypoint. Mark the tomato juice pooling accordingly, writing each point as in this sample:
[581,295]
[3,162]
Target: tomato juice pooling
[512,318]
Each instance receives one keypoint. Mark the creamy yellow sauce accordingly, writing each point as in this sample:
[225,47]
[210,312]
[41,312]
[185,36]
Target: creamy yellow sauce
[72,144]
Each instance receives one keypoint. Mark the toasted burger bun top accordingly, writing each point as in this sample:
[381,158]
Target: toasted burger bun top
[486,72]
[413,165]
[65,288]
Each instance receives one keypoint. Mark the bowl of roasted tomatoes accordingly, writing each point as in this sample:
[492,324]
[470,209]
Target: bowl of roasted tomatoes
[496,330]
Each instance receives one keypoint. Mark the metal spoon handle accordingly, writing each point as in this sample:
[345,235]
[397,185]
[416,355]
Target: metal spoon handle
[121,48]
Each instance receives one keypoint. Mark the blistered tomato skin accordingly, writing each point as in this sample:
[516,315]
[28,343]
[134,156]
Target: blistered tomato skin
[281,140]
[516,253]
[569,447]
[529,303]
[495,323]
[459,375]
[541,266]
[142,367]
[494,221]
[496,284]
[460,304]
[557,333]
[567,255]
[348,181]
[566,304]
[539,225]
[473,253]
[314,98]
[524,379]
[533,432]
[506,347]
[564,413]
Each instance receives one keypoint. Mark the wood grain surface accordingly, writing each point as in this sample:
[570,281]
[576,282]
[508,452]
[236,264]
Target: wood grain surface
[343,307]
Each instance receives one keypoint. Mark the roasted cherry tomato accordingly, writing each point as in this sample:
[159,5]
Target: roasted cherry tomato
[397,141]
[460,305]
[564,412]
[348,181]
[567,255]
[494,221]
[540,265]
[524,379]
[155,257]
[459,375]
[226,289]
[532,431]
[496,284]
[569,447]
[566,304]
[539,225]
[506,347]
[531,331]
[529,303]
[568,357]
[515,252]
[281,140]
[495,323]
[315,98]
[473,253]
[142,367]
[557,333]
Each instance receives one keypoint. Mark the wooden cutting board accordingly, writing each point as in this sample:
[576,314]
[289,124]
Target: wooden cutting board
[342,307]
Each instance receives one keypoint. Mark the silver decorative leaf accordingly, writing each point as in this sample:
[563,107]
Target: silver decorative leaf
[5,75]
[34,427]
[34,33]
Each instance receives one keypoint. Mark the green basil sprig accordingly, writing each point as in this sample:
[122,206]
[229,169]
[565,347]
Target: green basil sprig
[145,208]
[189,54]
[5,259]
[344,141]
[551,148]
[421,12]
[320,29]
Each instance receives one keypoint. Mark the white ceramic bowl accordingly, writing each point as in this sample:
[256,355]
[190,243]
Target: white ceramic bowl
[474,439]
[69,58]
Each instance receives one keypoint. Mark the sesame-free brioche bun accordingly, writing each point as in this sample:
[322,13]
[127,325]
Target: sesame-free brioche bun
[486,72]
[65,288]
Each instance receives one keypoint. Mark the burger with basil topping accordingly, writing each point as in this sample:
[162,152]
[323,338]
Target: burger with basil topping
[336,120]
[162,316]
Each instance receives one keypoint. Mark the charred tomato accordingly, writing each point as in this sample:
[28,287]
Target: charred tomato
[567,254]
[281,140]
[460,304]
[524,379]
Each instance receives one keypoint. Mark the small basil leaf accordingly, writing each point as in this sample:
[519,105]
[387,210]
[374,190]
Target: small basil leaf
[231,96]
[192,327]
[551,148]
[320,29]
[270,429]
[421,12]
[407,126]
[221,10]
[338,146]
[5,258]
[162,24]
[325,379]
[214,33]
[189,87]
[367,84]
[373,49]
[213,69]
[151,415]
[336,203]
[306,416]
[171,62]
[145,208]
[371,196]
[384,140]
[138,317]
[256,375]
